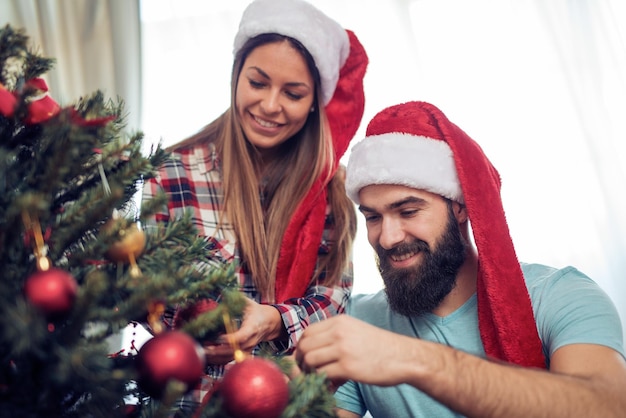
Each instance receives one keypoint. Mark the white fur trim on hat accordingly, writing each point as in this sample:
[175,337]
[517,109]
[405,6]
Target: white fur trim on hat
[408,160]
[325,39]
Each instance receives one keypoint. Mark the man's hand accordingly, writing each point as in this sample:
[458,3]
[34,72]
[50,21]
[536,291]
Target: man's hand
[345,348]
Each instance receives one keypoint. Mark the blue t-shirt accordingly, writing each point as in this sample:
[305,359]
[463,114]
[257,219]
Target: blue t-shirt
[569,308]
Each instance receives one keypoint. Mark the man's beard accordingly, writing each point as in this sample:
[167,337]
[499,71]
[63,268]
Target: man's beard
[419,289]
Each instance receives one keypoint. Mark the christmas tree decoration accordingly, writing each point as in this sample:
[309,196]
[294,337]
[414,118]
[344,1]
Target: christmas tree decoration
[7,102]
[130,243]
[254,388]
[187,313]
[192,311]
[156,309]
[41,106]
[66,296]
[171,355]
[34,235]
[63,303]
[53,291]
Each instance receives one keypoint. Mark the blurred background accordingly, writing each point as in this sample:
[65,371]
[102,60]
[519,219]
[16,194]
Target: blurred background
[540,84]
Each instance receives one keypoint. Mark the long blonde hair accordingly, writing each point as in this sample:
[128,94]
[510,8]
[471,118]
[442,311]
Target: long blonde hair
[343,216]
[260,224]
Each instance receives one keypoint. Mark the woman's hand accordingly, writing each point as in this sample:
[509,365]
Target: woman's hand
[260,323]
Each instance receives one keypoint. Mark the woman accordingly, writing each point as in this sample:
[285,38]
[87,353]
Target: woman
[262,178]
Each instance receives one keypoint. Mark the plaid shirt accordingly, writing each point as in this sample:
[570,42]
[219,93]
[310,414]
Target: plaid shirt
[192,181]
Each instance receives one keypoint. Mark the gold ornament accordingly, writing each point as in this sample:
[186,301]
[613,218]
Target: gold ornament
[130,244]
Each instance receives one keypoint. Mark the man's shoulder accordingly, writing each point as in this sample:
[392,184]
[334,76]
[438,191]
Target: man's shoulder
[571,308]
[540,275]
[361,304]
[369,299]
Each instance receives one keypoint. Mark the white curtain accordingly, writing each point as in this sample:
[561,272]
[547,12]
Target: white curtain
[96,45]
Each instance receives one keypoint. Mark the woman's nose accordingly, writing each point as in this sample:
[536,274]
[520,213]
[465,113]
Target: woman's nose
[271,102]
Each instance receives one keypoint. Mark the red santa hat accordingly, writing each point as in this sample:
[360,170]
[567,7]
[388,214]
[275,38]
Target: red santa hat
[341,62]
[415,145]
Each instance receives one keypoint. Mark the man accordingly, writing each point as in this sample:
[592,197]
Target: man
[461,327]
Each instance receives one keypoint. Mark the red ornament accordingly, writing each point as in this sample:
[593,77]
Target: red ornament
[53,291]
[192,311]
[131,410]
[254,388]
[7,102]
[169,355]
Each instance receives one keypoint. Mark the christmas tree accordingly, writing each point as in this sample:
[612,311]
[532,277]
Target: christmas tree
[80,260]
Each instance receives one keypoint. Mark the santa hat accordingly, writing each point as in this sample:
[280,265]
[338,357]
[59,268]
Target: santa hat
[415,145]
[324,39]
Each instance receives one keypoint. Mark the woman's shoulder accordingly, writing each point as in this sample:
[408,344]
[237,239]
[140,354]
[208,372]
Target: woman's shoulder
[201,156]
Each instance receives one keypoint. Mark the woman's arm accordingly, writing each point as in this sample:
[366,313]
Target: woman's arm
[319,303]
[281,325]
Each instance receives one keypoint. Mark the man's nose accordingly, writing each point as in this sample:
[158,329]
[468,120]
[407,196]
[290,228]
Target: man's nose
[391,233]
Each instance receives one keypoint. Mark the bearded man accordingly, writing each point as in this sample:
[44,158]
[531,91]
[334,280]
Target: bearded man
[461,328]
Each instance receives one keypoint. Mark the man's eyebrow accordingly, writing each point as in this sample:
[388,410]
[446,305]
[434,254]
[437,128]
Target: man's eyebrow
[363,208]
[406,201]
[397,204]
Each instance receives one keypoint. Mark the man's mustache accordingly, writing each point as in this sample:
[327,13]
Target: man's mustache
[403,248]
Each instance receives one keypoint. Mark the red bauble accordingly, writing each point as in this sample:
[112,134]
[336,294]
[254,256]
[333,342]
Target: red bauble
[186,314]
[169,355]
[53,291]
[7,102]
[254,388]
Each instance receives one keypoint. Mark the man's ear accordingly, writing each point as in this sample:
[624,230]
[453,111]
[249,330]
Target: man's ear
[460,212]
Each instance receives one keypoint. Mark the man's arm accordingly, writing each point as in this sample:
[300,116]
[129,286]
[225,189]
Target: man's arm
[584,380]
[342,413]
